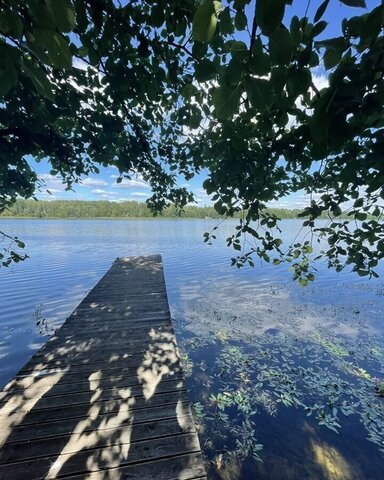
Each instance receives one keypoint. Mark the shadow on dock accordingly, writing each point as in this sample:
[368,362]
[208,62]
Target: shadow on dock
[105,397]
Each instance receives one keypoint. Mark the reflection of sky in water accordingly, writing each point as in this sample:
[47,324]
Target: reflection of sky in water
[206,294]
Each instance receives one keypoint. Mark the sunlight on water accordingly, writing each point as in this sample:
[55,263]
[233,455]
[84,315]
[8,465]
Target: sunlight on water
[330,331]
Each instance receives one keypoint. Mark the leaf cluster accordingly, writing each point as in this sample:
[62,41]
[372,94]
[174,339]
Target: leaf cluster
[171,88]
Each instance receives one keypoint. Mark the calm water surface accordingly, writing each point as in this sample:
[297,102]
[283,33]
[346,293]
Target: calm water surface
[293,348]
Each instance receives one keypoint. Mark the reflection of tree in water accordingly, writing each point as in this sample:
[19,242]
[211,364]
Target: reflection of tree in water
[43,324]
[289,389]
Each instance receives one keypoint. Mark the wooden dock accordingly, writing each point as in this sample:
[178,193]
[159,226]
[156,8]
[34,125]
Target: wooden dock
[105,397]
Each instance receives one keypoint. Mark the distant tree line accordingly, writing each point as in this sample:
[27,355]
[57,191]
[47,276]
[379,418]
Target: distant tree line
[105,209]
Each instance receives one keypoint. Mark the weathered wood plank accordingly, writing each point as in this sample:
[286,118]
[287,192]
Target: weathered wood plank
[50,446]
[74,425]
[70,376]
[183,467]
[88,383]
[94,357]
[86,410]
[13,401]
[93,458]
[130,366]
[105,397]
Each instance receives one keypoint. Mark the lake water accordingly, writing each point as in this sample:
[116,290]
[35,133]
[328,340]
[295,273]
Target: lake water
[267,359]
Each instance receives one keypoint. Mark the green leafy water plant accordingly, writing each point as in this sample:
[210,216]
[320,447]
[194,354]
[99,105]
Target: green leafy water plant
[317,374]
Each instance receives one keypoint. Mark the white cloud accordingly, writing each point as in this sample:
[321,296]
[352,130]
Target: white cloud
[94,182]
[320,81]
[202,197]
[139,194]
[52,183]
[125,183]
[99,191]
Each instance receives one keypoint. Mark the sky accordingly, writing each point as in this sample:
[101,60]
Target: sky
[104,187]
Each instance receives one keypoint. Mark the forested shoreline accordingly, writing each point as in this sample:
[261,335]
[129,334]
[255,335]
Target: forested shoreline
[106,209]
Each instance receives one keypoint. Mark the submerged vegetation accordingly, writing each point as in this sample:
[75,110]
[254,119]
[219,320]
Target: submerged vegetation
[238,380]
[258,96]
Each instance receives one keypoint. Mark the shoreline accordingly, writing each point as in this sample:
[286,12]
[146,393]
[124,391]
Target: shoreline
[124,218]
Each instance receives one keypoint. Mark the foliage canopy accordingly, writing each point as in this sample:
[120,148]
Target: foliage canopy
[174,87]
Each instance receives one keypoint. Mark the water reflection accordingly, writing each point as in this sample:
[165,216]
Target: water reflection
[334,324]
[304,376]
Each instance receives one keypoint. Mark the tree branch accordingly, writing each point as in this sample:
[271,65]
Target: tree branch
[185,49]
[253,33]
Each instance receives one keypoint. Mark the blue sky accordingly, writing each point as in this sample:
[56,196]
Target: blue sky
[104,186]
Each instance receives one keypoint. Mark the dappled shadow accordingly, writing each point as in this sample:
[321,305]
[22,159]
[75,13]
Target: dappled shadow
[105,397]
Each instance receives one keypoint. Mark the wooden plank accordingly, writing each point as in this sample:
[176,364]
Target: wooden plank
[12,401]
[93,459]
[50,375]
[93,356]
[183,467]
[175,412]
[105,397]
[50,446]
[82,410]
[129,365]
[64,339]
[26,384]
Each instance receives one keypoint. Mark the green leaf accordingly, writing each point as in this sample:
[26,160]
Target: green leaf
[303,282]
[233,72]
[39,79]
[9,57]
[319,28]
[318,126]
[226,100]
[354,26]
[373,24]
[260,64]
[278,79]
[362,273]
[320,11]
[354,3]
[298,81]
[205,20]
[205,70]
[269,14]
[8,79]
[280,46]
[42,14]
[10,24]
[238,49]
[331,58]
[194,121]
[240,21]
[199,49]
[338,43]
[259,93]
[189,90]
[57,47]
[157,16]
[295,30]
[226,25]
[64,15]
